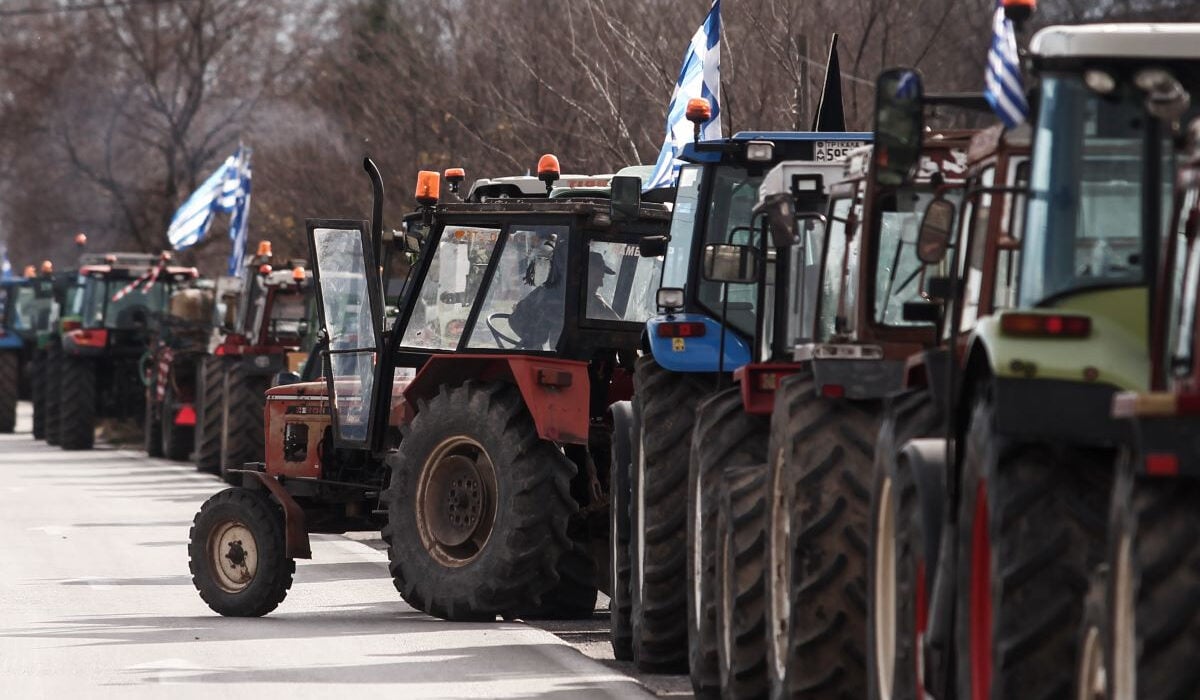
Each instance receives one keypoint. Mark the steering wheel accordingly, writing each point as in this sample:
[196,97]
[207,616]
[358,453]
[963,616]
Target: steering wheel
[496,332]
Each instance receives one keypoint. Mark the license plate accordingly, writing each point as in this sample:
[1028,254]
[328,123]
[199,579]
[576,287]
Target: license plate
[833,151]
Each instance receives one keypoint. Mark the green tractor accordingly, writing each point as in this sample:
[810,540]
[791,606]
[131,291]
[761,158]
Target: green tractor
[1026,447]
[97,375]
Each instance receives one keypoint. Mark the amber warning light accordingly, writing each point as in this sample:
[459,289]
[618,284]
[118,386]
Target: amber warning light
[264,249]
[298,274]
[454,178]
[47,267]
[429,186]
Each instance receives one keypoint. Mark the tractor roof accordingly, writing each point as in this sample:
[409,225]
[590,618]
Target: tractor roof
[943,150]
[530,185]
[789,145]
[549,207]
[1141,41]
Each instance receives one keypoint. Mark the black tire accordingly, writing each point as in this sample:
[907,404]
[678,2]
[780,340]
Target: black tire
[898,553]
[245,587]
[77,407]
[10,379]
[37,370]
[666,402]
[152,424]
[176,440]
[823,461]
[242,424]
[53,394]
[499,547]
[209,414]
[574,596]
[725,436]
[1040,529]
[1157,582]
[739,585]
[619,606]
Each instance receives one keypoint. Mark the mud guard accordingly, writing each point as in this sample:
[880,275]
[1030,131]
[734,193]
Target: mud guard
[556,392]
[296,545]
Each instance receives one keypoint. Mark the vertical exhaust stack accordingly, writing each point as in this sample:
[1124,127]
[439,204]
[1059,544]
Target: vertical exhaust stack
[376,211]
[830,114]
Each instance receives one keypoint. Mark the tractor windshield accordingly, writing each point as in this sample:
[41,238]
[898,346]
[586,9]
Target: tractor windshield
[619,283]
[111,303]
[683,222]
[288,321]
[526,301]
[897,269]
[1084,217]
[450,287]
[29,311]
[732,197]
[840,270]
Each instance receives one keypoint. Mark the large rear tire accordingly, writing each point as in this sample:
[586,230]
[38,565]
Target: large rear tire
[1153,588]
[176,440]
[209,414]
[77,406]
[1031,530]
[238,554]
[666,408]
[725,436]
[242,426]
[896,585]
[620,631]
[739,584]
[10,379]
[53,394]
[478,506]
[37,369]
[823,461]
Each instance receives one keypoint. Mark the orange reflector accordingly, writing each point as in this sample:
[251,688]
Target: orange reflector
[1045,326]
[298,274]
[833,391]
[698,110]
[1031,4]
[30,271]
[1162,464]
[429,187]
[680,330]
[186,415]
[47,267]
[768,381]
[264,269]
[264,249]
[548,165]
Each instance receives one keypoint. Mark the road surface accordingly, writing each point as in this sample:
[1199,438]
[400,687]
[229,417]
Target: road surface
[96,601]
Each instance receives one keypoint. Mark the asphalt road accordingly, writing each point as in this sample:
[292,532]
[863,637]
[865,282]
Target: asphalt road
[96,601]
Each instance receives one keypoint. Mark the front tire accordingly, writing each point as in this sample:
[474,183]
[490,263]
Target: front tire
[1031,530]
[37,369]
[1153,588]
[53,393]
[77,406]
[242,425]
[237,554]
[10,379]
[478,506]
[620,631]
[209,414]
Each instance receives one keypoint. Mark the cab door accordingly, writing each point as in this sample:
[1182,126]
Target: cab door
[349,299]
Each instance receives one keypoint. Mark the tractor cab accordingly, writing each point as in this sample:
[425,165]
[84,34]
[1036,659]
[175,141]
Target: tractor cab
[20,310]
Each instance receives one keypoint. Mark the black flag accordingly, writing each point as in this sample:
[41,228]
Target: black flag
[830,115]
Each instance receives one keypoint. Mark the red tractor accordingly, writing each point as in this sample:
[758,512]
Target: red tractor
[475,432]
[265,327]
[171,372]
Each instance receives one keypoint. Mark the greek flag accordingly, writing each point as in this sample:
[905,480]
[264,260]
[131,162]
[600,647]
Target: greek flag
[227,191]
[699,77]
[1003,87]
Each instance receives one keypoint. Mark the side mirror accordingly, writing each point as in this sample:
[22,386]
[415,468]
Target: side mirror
[626,198]
[781,217]
[899,122]
[653,246]
[934,236]
[731,264]
[412,243]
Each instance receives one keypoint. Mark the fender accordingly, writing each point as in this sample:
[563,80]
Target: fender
[557,392]
[697,353]
[296,544]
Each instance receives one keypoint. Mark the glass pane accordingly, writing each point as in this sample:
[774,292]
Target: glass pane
[449,289]
[831,277]
[525,303]
[898,269]
[683,223]
[289,316]
[734,194]
[345,295]
[806,279]
[620,283]
[353,384]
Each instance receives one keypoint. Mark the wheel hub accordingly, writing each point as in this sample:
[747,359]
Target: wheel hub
[234,554]
[456,501]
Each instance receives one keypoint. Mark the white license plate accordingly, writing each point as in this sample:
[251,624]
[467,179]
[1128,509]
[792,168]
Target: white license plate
[833,151]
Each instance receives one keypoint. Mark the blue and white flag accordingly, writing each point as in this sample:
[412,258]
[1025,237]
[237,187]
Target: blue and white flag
[699,77]
[1003,87]
[227,191]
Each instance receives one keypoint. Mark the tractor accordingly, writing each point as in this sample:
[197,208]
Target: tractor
[1139,637]
[1024,451]
[64,288]
[703,332]
[17,297]
[805,411]
[264,327]
[97,374]
[480,448]
[171,371]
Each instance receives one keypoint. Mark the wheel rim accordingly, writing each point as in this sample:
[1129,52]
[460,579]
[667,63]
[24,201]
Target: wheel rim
[885,592]
[981,599]
[639,533]
[234,555]
[1124,663]
[779,571]
[456,501]
[1091,682]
